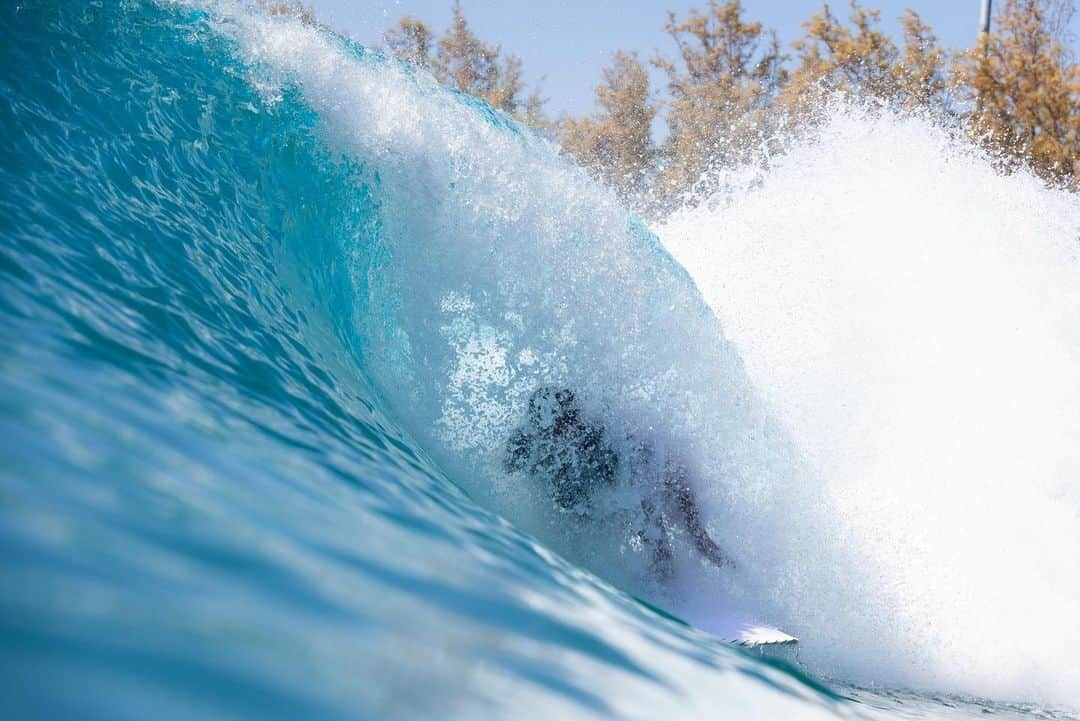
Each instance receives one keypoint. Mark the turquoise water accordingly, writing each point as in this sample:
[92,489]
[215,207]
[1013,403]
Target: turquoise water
[239,478]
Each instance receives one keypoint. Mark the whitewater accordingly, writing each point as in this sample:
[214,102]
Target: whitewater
[272,305]
[911,316]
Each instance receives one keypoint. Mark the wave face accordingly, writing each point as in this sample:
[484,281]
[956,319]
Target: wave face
[497,270]
[271,307]
[911,316]
[212,506]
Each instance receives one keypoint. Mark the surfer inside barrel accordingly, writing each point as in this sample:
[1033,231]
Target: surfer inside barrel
[558,445]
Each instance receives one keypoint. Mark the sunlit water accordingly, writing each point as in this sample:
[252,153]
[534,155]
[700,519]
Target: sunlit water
[270,306]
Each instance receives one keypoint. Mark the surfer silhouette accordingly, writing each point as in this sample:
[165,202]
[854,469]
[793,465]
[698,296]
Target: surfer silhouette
[560,446]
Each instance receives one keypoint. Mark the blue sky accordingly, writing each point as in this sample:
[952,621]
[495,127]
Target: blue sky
[565,43]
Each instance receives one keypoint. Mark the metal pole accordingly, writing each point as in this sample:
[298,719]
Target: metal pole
[984,19]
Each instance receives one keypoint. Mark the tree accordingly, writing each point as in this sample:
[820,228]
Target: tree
[292,8]
[474,67]
[721,90]
[1024,89]
[410,41]
[615,143]
[860,60]
[833,56]
[465,62]
[728,91]
[920,73]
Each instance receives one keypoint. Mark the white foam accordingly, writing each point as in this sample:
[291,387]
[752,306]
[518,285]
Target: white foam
[913,318]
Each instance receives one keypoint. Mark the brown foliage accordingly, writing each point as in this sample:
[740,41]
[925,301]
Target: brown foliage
[467,63]
[720,91]
[1025,89]
[293,8]
[728,91]
[920,71]
[410,41]
[615,143]
[859,59]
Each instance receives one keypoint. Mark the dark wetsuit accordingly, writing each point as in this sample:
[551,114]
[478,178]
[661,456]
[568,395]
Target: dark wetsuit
[556,443]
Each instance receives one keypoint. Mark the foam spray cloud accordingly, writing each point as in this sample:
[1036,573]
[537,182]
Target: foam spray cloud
[912,317]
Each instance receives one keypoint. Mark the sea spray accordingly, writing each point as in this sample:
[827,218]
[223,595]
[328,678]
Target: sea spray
[912,318]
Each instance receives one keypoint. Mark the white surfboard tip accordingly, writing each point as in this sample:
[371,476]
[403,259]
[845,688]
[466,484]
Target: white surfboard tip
[757,636]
